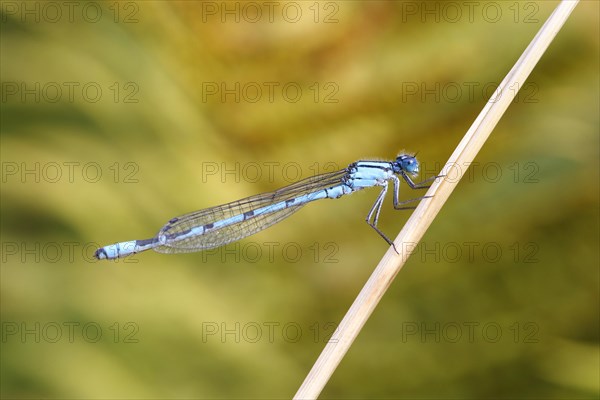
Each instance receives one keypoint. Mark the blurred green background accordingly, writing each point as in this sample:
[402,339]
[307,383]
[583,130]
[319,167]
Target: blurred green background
[118,116]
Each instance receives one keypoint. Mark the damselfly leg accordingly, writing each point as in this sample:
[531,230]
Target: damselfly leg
[373,215]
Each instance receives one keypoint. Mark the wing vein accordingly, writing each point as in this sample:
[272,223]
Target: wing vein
[245,226]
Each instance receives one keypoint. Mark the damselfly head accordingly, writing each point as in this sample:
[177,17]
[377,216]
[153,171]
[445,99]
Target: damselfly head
[408,164]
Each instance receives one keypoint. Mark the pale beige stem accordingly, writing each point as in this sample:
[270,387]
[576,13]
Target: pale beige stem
[415,227]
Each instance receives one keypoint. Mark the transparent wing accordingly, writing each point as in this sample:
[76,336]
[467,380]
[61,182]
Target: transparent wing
[214,238]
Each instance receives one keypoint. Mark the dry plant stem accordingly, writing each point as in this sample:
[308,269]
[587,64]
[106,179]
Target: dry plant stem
[415,227]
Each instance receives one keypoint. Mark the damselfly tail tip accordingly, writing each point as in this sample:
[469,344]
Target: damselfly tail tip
[101,254]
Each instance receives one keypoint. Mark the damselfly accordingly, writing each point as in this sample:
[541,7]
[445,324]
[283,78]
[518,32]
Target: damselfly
[217,226]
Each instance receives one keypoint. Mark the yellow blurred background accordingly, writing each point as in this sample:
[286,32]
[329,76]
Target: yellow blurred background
[117,116]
